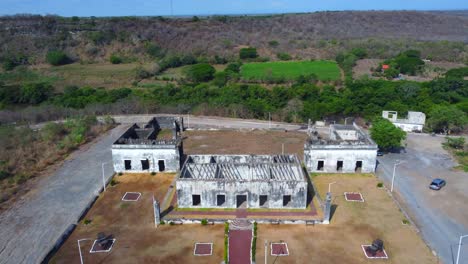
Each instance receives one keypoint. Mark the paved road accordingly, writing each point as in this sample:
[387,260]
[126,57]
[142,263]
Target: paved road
[29,230]
[442,216]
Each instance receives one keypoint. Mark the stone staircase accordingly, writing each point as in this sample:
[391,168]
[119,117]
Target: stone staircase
[240,224]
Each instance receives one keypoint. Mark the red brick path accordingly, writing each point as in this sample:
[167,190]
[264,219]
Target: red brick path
[240,246]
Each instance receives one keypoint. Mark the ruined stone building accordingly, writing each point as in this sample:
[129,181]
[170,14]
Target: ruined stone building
[155,146]
[346,149]
[413,123]
[234,181]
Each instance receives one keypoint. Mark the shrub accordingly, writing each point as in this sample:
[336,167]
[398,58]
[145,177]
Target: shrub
[248,53]
[233,67]
[153,173]
[154,50]
[162,222]
[120,173]
[171,223]
[114,59]
[405,221]
[456,142]
[35,93]
[273,43]
[113,182]
[283,56]
[204,222]
[57,58]
[201,72]
[87,221]
[379,185]
[9,64]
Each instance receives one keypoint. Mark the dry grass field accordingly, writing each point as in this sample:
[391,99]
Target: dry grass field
[94,75]
[132,224]
[352,224]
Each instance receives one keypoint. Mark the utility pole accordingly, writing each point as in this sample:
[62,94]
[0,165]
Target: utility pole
[103,177]
[269,120]
[459,247]
[79,248]
[394,170]
[329,186]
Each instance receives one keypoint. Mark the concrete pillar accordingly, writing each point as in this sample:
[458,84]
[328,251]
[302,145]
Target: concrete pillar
[327,209]
[157,212]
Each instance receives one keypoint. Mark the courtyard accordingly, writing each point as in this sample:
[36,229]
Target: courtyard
[353,224]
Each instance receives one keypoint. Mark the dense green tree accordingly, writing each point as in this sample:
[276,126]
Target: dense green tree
[446,119]
[35,93]
[57,58]
[114,59]
[248,53]
[201,72]
[283,56]
[386,134]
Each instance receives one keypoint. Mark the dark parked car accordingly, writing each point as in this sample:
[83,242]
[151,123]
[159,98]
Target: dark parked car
[437,184]
[380,153]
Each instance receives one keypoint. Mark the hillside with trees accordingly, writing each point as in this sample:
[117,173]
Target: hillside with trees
[27,39]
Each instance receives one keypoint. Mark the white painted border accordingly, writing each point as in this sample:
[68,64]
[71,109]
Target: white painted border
[281,255]
[365,253]
[125,200]
[100,251]
[362,197]
[203,243]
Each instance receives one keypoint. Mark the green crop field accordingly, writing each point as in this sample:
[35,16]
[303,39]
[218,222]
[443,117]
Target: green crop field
[325,70]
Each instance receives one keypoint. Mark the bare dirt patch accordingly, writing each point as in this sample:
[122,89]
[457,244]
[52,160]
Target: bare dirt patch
[132,225]
[352,225]
[245,141]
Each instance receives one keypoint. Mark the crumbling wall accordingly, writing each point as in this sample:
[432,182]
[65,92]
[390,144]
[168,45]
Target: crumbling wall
[170,155]
[330,158]
[208,191]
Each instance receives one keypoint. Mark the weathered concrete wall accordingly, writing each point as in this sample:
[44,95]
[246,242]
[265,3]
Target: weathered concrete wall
[409,127]
[330,157]
[208,191]
[171,157]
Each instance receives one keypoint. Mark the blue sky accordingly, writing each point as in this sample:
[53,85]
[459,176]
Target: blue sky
[208,7]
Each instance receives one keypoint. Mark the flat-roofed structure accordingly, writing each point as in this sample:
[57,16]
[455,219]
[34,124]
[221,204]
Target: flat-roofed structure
[346,149]
[152,147]
[236,181]
[414,122]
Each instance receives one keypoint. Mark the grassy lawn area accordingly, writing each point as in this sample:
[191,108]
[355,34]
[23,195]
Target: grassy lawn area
[352,224]
[290,70]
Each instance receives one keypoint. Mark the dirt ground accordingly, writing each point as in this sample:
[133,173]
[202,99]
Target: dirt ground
[132,224]
[352,224]
[245,141]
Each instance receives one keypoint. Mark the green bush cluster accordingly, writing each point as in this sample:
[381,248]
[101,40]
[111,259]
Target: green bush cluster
[254,241]
[226,242]
[114,59]
[204,221]
[57,57]
[248,53]
[200,72]
[283,56]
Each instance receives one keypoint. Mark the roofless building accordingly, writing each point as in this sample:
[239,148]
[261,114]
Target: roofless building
[236,181]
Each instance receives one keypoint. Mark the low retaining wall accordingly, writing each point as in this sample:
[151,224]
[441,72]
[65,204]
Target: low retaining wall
[181,221]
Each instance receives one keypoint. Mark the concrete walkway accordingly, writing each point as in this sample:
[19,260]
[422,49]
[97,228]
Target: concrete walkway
[31,228]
